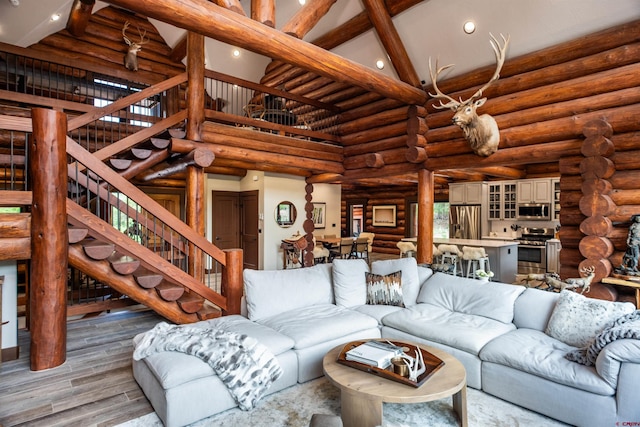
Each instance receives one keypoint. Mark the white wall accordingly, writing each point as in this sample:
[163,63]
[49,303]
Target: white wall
[273,189]
[9,270]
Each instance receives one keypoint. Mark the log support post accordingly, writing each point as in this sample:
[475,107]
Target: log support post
[596,204]
[79,17]
[425,216]
[232,281]
[49,239]
[195,216]
[308,226]
[195,92]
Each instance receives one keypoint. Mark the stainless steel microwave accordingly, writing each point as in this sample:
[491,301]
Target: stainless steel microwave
[534,211]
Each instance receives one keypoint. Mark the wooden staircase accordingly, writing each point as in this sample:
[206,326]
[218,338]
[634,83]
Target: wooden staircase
[129,276]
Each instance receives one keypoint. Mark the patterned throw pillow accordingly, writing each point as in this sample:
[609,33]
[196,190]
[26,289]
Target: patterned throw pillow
[576,319]
[384,289]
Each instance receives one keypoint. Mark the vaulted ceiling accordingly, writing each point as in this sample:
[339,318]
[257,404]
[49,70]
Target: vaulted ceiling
[425,28]
[430,28]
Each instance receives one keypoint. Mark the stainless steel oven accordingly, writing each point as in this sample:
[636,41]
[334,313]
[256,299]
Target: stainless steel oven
[532,250]
[532,259]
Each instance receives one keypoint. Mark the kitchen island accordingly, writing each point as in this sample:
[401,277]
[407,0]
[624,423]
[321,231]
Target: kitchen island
[503,255]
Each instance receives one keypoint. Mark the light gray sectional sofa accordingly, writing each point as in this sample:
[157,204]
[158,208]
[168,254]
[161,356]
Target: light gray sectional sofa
[511,340]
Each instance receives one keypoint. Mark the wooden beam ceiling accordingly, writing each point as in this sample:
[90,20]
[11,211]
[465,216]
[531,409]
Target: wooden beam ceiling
[216,22]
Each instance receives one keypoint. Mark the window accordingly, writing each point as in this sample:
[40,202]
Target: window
[440,220]
[108,91]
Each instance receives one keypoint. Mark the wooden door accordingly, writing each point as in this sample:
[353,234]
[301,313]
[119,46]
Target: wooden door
[249,228]
[235,223]
[226,219]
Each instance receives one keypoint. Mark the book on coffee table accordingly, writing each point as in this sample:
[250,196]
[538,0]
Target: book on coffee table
[374,353]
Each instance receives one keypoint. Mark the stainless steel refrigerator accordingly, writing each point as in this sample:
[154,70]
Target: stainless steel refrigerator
[465,222]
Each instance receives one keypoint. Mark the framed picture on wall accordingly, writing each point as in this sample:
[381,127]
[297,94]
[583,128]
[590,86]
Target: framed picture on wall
[319,215]
[384,216]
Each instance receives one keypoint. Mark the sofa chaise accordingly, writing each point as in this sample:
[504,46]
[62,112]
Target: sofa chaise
[512,340]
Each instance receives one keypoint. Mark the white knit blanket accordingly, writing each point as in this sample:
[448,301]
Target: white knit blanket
[627,326]
[244,365]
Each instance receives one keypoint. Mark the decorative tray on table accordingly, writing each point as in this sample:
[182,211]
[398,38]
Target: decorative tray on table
[431,363]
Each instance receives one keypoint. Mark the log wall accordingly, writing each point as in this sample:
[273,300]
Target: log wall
[542,102]
[385,237]
[103,48]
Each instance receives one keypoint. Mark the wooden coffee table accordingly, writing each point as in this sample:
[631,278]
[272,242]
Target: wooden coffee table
[363,393]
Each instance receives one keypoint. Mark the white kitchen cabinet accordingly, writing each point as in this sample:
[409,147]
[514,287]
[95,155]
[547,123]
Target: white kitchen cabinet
[534,191]
[502,200]
[555,185]
[469,193]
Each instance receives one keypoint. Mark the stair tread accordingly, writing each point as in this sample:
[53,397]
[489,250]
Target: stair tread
[147,278]
[141,153]
[160,143]
[77,234]
[123,264]
[119,164]
[169,291]
[208,312]
[97,249]
[190,302]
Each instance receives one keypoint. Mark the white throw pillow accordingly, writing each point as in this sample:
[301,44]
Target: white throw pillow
[272,292]
[410,279]
[576,319]
[349,284]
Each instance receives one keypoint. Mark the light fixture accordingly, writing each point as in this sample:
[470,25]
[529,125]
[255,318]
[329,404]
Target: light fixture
[302,2]
[235,53]
[469,27]
[15,3]
[379,64]
[55,17]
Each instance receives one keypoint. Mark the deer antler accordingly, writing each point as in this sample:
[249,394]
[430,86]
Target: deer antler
[500,55]
[140,33]
[453,104]
[124,36]
[500,52]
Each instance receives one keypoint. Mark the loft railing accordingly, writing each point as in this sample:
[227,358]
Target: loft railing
[244,103]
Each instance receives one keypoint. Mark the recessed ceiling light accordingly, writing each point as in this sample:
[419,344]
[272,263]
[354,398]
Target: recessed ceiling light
[469,27]
[302,2]
[55,17]
[236,53]
[379,64]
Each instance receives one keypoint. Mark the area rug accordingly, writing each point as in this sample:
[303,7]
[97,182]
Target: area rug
[294,406]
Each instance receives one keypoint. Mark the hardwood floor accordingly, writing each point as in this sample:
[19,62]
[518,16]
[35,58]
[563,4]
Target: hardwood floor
[94,387]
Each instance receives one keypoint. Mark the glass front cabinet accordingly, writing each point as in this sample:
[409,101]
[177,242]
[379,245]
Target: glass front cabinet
[502,200]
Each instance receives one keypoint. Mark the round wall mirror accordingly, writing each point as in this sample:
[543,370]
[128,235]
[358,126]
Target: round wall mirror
[285,214]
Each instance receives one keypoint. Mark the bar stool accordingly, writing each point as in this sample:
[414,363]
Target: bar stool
[476,259]
[451,255]
[436,255]
[406,248]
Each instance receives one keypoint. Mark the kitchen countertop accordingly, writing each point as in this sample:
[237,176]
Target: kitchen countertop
[487,243]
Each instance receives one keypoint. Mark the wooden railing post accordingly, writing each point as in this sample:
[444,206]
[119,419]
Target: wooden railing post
[195,92]
[232,283]
[49,239]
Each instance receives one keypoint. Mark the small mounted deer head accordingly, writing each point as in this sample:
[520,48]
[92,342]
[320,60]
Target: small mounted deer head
[481,132]
[131,58]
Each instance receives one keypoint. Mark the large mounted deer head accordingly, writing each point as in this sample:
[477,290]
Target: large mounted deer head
[131,58]
[481,132]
